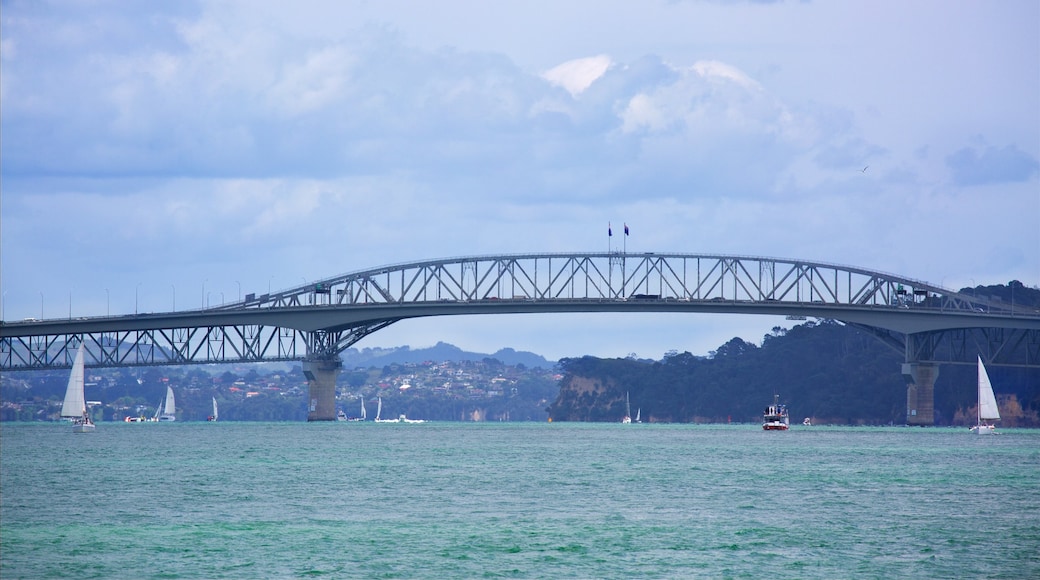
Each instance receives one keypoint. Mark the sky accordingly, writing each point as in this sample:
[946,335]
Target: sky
[161,155]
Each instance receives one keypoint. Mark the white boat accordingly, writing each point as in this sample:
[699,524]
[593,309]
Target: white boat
[167,410]
[75,405]
[400,418]
[987,404]
[341,416]
[628,411]
[775,417]
[215,414]
[637,415]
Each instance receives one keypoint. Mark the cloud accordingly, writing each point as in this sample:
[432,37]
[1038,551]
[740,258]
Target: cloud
[990,165]
[576,75]
[256,144]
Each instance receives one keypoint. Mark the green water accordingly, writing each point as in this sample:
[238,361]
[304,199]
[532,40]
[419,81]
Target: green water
[465,500]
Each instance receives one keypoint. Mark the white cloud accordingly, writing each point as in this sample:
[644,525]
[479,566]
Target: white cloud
[723,73]
[576,75]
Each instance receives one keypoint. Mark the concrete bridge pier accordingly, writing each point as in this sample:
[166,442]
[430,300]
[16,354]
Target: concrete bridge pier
[920,392]
[321,378]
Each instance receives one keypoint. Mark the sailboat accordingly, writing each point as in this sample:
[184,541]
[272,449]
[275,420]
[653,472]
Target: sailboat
[400,419]
[628,411]
[214,416]
[379,411]
[987,403]
[637,415]
[167,410]
[75,405]
[341,416]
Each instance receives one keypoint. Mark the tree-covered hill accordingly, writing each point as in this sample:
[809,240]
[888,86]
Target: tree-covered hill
[824,370]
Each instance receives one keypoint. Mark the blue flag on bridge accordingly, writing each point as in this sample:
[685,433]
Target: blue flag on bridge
[626,229]
[610,232]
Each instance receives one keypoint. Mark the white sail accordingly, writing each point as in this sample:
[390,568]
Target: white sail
[169,407]
[987,402]
[379,407]
[215,409]
[75,404]
[363,409]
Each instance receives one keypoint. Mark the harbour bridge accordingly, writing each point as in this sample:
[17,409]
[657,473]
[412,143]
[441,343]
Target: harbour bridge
[315,322]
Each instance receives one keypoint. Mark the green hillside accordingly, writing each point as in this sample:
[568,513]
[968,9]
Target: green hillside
[824,370]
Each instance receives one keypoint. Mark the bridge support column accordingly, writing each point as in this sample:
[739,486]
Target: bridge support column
[920,392]
[321,378]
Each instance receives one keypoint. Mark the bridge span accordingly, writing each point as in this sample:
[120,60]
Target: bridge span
[315,322]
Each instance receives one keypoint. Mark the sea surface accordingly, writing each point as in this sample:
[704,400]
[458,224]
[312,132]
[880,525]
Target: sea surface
[516,500]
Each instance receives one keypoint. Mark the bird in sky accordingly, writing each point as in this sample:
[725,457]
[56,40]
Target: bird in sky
[864,170]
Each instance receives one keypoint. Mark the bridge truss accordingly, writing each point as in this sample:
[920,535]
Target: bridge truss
[319,320]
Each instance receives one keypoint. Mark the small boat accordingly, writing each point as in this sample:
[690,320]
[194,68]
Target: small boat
[167,410]
[987,404]
[75,405]
[341,416]
[628,411]
[405,419]
[215,414]
[379,411]
[807,422]
[637,415]
[402,418]
[775,416]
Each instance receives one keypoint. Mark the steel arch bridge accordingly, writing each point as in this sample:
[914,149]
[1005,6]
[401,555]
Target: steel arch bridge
[317,321]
